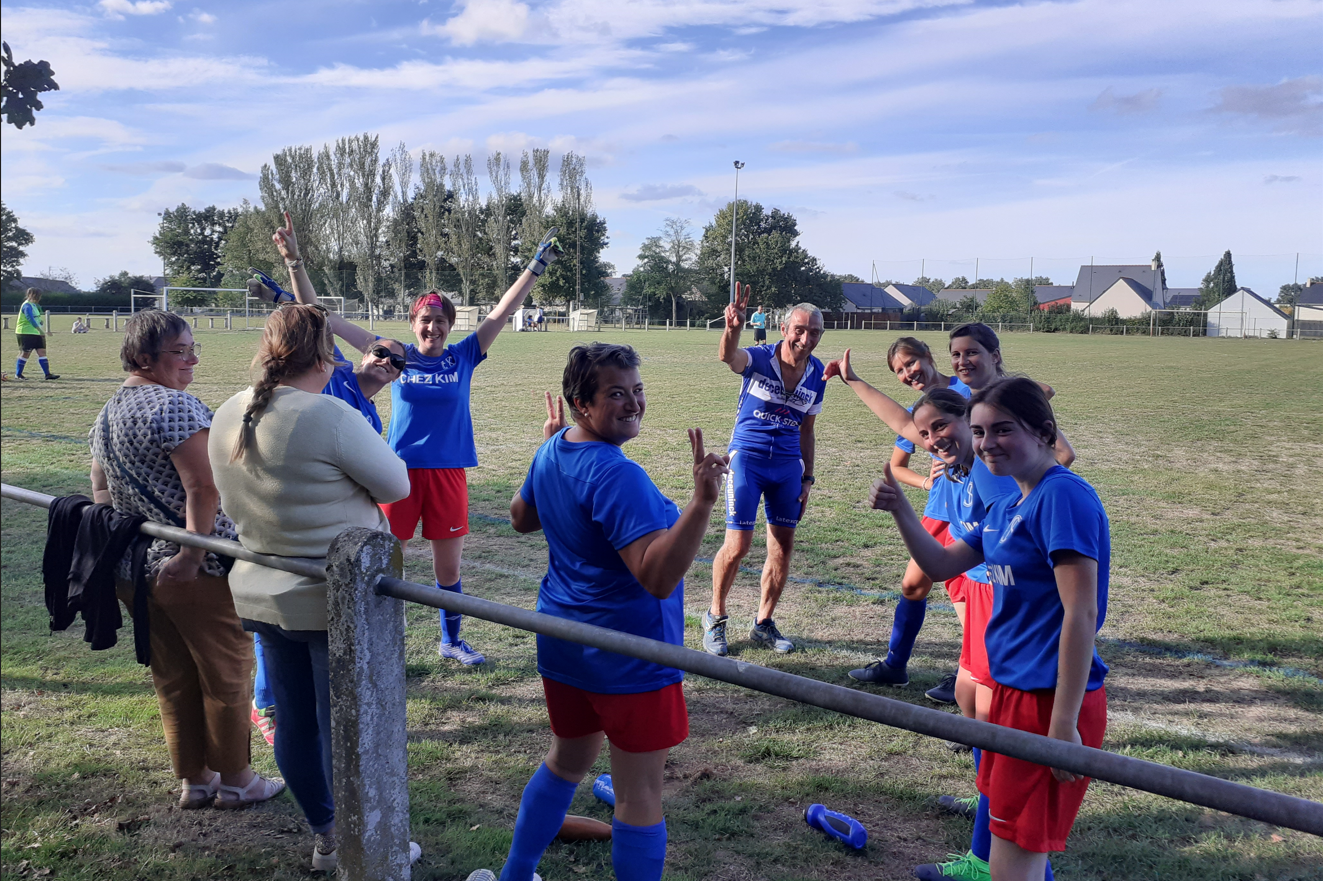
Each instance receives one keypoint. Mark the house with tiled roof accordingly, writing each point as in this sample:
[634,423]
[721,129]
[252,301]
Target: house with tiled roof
[910,295]
[1096,289]
[1246,314]
[1182,298]
[864,297]
[955,295]
[1049,295]
[1309,306]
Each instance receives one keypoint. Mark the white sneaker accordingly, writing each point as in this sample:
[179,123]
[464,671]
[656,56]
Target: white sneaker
[489,875]
[463,652]
[415,851]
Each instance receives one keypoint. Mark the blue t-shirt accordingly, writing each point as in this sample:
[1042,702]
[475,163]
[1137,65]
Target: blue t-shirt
[759,320]
[430,422]
[937,508]
[768,417]
[1061,513]
[344,385]
[593,501]
[968,500]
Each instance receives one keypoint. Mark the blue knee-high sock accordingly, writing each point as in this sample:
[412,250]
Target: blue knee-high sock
[541,814]
[45,366]
[981,846]
[450,621]
[19,364]
[909,620]
[1047,875]
[638,853]
[978,757]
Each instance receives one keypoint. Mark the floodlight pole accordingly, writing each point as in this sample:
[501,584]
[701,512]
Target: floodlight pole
[734,220]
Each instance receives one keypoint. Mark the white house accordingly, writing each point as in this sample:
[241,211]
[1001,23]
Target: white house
[1128,297]
[1246,314]
[1309,307]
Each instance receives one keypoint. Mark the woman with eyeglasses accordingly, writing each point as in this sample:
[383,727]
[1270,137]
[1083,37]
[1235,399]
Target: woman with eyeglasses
[295,468]
[149,458]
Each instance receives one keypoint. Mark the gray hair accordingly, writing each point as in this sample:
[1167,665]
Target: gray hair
[807,308]
[144,334]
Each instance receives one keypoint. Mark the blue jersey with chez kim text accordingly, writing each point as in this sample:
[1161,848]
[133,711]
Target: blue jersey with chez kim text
[592,501]
[936,509]
[968,500]
[343,384]
[1018,541]
[769,415]
[430,422]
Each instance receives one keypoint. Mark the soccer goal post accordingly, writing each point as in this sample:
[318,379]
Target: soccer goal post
[156,300]
[164,296]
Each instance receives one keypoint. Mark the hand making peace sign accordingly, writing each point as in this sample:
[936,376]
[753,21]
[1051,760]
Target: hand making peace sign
[555,417]
[735,311]
[708,469]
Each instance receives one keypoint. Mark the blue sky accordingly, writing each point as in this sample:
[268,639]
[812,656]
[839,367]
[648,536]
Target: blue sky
[895,130]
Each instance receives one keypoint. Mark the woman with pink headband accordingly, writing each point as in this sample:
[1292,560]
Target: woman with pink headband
[431,429]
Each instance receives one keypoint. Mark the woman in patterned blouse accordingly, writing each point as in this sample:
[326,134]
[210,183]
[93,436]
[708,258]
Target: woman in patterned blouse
[149,457]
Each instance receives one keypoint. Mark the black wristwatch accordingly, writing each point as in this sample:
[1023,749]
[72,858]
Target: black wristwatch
[808,478]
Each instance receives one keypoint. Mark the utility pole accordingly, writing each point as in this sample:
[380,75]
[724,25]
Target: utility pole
[734,220]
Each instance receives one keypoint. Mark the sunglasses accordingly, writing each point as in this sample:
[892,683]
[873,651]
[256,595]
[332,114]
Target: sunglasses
[396,361]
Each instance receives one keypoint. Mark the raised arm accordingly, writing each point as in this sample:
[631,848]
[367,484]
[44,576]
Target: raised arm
[884,407]
[548,250]
[523,514]
[729,349]
[661,558]
[287,244]
[938,563]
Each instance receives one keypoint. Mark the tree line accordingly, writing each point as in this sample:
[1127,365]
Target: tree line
[383,227]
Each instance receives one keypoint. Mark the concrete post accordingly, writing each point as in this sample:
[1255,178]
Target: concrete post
[228,318]
[368,740]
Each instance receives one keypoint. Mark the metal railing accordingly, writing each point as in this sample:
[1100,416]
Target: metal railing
[368,698]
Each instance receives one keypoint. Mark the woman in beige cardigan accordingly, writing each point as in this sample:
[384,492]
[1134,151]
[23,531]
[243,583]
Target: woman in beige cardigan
[295,468]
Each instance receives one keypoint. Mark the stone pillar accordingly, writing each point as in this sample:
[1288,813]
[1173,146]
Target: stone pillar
[368,740]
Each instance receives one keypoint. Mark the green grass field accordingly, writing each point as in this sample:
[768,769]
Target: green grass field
[1212,481]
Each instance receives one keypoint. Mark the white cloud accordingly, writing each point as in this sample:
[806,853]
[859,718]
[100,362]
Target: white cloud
[117,9]
[1140,102]
[216,171]
[661,192]
[1295,105]
[1281,178]
[202,17]
[483,21]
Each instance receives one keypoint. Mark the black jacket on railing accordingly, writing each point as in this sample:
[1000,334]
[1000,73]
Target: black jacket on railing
[84,544]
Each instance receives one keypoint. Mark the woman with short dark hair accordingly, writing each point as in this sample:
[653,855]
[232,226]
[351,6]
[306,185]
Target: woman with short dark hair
[149,457]
[31,336]
[617,553]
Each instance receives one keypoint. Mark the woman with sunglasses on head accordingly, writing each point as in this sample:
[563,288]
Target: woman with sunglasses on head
[1048,550]
[295,468]
[976,361]
[431,429]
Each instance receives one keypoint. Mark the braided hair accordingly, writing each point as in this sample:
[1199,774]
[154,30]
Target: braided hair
[296,340]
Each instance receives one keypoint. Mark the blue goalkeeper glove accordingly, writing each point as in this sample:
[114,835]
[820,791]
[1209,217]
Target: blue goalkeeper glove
[278,294]
[548,250]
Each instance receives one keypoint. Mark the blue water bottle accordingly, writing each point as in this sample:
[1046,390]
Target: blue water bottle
[604,791]
[837,825]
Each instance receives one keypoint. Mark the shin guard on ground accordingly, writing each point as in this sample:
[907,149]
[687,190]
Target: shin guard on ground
[638,853]
[904,631]
[541,813]
[450,621]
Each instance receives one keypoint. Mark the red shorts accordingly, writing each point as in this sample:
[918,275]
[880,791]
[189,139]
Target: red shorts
[437,496]
[637,723]
[941,530]
[973,650]
[1027,805]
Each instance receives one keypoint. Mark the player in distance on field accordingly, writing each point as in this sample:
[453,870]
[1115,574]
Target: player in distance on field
[771,458]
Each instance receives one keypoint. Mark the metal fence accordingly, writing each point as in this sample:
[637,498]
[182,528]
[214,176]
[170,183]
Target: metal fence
[369,743]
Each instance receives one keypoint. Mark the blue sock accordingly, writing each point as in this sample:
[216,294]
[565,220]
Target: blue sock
[541,814]
[19,365]
[981,846]
[638,853]
[45,366]
[263,697]
[978,756]
[909,620]
[449,620]
[1047,875]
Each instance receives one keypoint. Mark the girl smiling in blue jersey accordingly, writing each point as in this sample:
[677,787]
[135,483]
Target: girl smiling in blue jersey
[431,429]
[1048,551]
[617,553]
